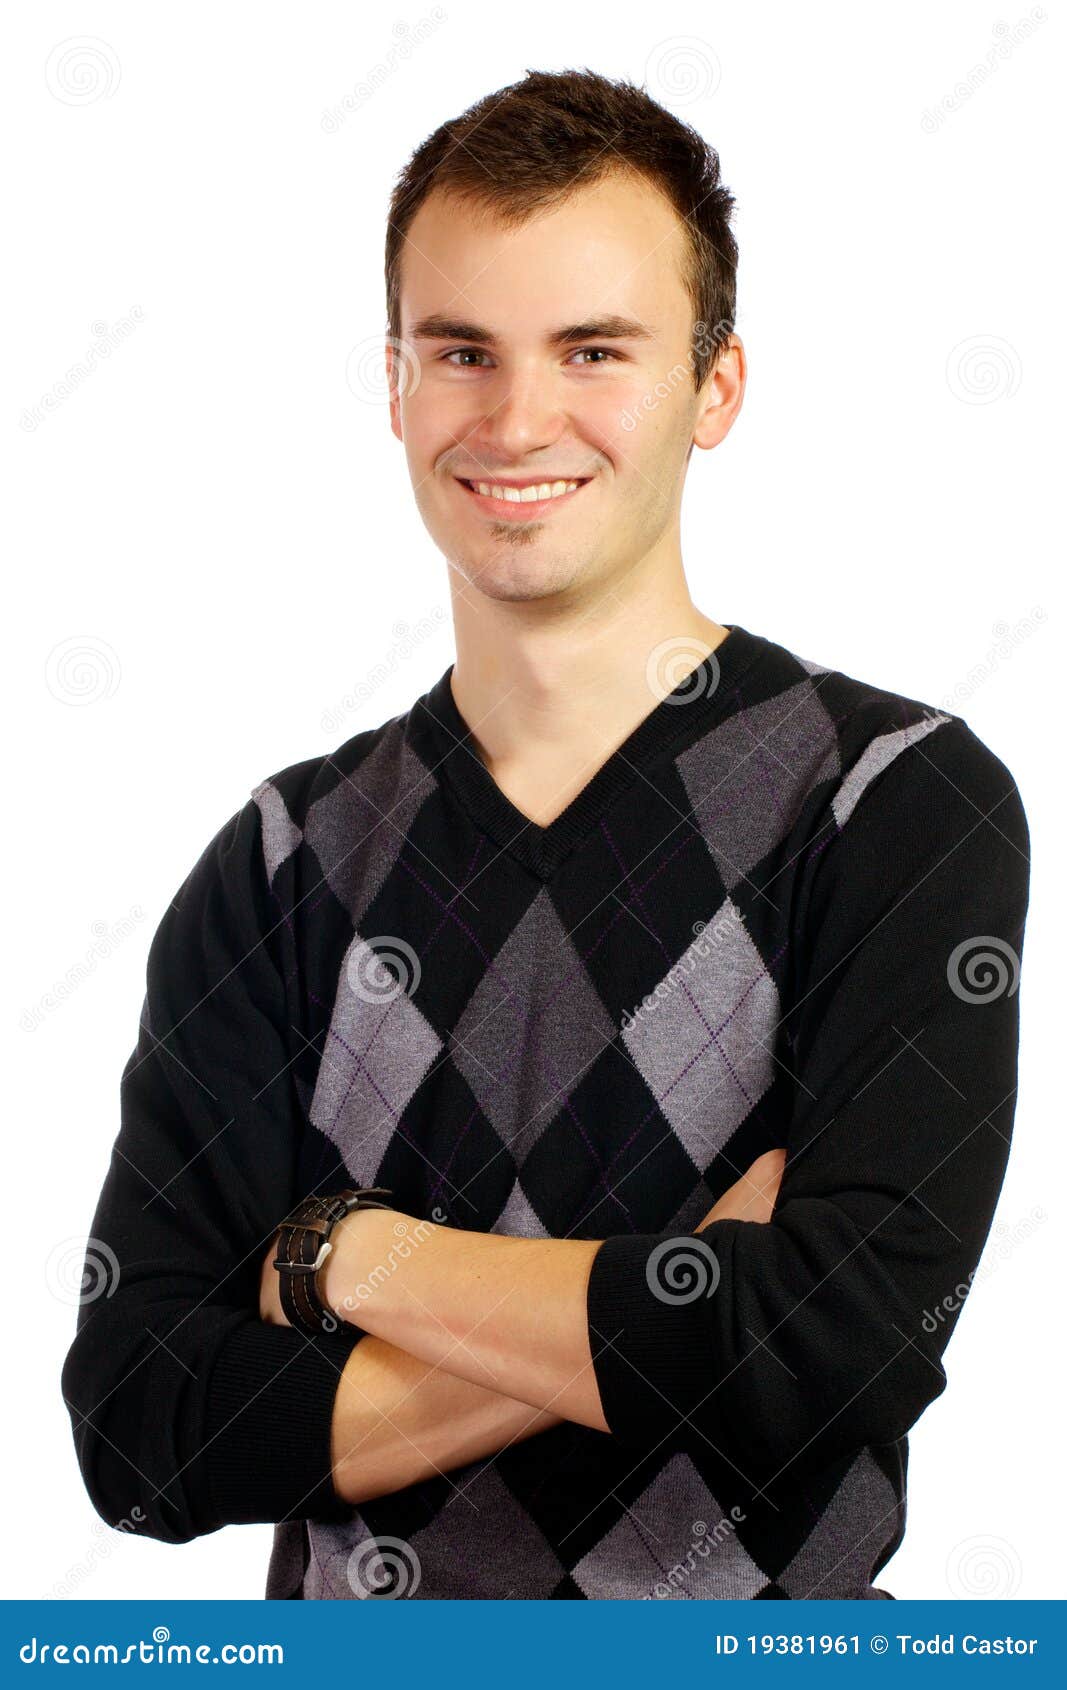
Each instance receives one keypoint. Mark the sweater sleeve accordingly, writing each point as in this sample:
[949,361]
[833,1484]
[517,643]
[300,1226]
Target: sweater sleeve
[823,1330]
[184,1405]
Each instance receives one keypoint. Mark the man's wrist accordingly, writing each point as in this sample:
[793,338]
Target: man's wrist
[355,1248]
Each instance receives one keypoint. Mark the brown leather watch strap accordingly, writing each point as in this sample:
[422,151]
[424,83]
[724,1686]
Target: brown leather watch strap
[303,1244]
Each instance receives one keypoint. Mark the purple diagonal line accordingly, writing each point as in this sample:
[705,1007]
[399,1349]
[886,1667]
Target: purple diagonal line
[359,1066]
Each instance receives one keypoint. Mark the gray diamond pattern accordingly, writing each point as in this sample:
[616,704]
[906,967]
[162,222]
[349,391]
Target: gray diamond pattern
[747,779]
[863,1516]
[673,1544]
[703,1045]
[281,836]
[529,1032]
[485,1540]
[357,830]
[376,1053]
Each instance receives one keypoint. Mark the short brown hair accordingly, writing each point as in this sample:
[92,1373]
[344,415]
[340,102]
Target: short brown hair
[523,149]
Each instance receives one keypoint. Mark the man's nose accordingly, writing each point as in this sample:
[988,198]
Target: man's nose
[524,414]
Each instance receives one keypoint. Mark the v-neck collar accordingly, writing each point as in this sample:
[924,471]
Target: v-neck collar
[445,741]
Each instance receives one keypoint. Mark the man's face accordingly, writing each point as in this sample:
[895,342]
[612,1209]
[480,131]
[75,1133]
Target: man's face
[500,400]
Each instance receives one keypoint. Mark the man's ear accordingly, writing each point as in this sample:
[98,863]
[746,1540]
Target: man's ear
[393,372]
[721,395]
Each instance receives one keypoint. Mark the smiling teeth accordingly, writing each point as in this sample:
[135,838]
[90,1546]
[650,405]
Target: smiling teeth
[525,495]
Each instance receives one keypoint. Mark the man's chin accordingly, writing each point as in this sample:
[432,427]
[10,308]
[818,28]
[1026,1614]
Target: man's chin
[513,580]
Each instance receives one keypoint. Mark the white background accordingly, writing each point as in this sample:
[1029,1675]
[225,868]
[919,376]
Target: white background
[227,534]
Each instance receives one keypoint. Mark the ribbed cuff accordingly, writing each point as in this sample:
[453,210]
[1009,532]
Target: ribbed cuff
[649,1352]
[269,1418]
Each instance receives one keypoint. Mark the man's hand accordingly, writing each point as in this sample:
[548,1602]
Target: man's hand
[753,1196]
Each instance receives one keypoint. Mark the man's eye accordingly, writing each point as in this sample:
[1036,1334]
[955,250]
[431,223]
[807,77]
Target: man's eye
[599,353]
[463,352]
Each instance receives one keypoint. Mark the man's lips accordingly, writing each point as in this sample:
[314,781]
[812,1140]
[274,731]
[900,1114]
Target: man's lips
[521,510]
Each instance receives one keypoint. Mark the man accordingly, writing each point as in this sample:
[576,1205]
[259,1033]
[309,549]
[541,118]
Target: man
[559,968]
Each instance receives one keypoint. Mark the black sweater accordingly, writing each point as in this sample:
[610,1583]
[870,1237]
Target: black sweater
[788,910]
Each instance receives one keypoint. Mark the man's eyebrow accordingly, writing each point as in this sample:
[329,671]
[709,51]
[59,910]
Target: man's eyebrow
[439,327]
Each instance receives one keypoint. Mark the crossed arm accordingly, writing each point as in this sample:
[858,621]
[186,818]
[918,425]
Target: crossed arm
[474,1341]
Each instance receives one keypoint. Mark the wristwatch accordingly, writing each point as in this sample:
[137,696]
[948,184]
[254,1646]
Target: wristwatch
[303,1246]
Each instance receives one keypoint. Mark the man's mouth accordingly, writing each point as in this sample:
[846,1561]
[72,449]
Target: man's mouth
[522,499]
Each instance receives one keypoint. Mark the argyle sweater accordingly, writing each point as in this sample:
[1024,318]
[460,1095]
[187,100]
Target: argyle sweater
[787,911]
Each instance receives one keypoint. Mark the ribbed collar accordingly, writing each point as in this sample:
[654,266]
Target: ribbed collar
[443,740]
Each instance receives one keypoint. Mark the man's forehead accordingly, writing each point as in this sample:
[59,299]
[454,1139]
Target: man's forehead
[613,248]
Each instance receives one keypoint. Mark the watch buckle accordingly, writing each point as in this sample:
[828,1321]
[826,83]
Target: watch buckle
[305,1267]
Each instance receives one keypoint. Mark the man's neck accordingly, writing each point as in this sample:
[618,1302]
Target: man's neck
[549,700]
